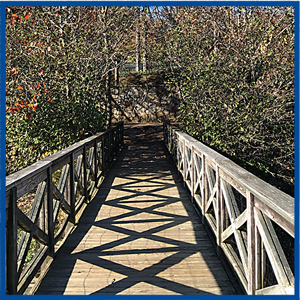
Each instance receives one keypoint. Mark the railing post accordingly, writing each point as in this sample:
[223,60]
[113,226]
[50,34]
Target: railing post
[11,239]
[203,187]
[177,154]
[85,175]
[112,144]
[168,139]
[171,134]
[192,173]
[258,261]
[219,212]
[166,135]
[119,137]
[122,133]
[108,147]
[103,153]
[115,140]
[184,165]
[50,212]
[117,144]
[95,163]
[72,189]
[251,244]
[175,145]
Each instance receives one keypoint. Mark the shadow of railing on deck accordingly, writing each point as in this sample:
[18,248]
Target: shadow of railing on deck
[243,212]
[55,190]
[107,255]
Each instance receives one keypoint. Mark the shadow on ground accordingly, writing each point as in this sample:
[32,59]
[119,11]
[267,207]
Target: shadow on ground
[140,235]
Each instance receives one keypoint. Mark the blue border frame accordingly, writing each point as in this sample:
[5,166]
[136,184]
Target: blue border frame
[150,3]
[2,146]
[297,178]
[147,3]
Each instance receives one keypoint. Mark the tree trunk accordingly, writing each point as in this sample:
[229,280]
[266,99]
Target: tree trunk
[117,78]
[144,39]
[109,98]
[138,42]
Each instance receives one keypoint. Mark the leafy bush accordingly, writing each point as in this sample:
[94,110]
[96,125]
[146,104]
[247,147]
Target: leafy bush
[235,75]
[231,67]
[57,61]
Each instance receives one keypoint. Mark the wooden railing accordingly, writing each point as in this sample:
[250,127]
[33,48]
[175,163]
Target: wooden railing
[252,221]
[45,200]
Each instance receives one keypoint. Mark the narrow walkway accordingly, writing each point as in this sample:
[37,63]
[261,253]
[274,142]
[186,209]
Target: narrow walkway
[141,234]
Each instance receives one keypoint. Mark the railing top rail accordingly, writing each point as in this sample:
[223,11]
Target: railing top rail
[41,165]
[275,199]
[57,189]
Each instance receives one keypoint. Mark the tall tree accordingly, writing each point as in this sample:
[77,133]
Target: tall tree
[58,65]
[234,71]
[144,38]
[138,40]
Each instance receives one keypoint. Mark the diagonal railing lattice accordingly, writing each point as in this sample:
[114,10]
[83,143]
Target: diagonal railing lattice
[253,222]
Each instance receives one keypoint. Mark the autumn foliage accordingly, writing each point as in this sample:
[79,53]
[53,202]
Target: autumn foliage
[57,59]
[231,67]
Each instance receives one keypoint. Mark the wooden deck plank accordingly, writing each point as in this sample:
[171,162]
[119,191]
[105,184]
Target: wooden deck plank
[140,235]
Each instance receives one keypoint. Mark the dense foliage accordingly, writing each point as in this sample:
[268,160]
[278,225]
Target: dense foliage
[234,71]
[231,67]
[57,62]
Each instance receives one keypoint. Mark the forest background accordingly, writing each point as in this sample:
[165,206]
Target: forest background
[231,69]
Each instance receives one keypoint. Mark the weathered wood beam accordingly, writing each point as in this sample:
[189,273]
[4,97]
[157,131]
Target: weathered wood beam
[277,258]
[40,175]
[235,225]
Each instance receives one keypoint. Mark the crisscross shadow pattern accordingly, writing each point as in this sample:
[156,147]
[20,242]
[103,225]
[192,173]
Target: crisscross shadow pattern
[45,200]
[252,222]
[140,234]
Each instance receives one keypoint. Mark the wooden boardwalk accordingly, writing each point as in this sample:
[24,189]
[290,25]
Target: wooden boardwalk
[140,234]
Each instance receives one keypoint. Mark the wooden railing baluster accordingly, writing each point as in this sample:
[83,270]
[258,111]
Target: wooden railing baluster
[251,243]
[50,212]
[95,163]
[104,141]
[242,218]
[85,175]
[193,183]
[203,188]
[11,234]
[218,174]
[101,158]
[258,261]
[61,199]
[219,213]
[184,163]
[72,189]
[108,146]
